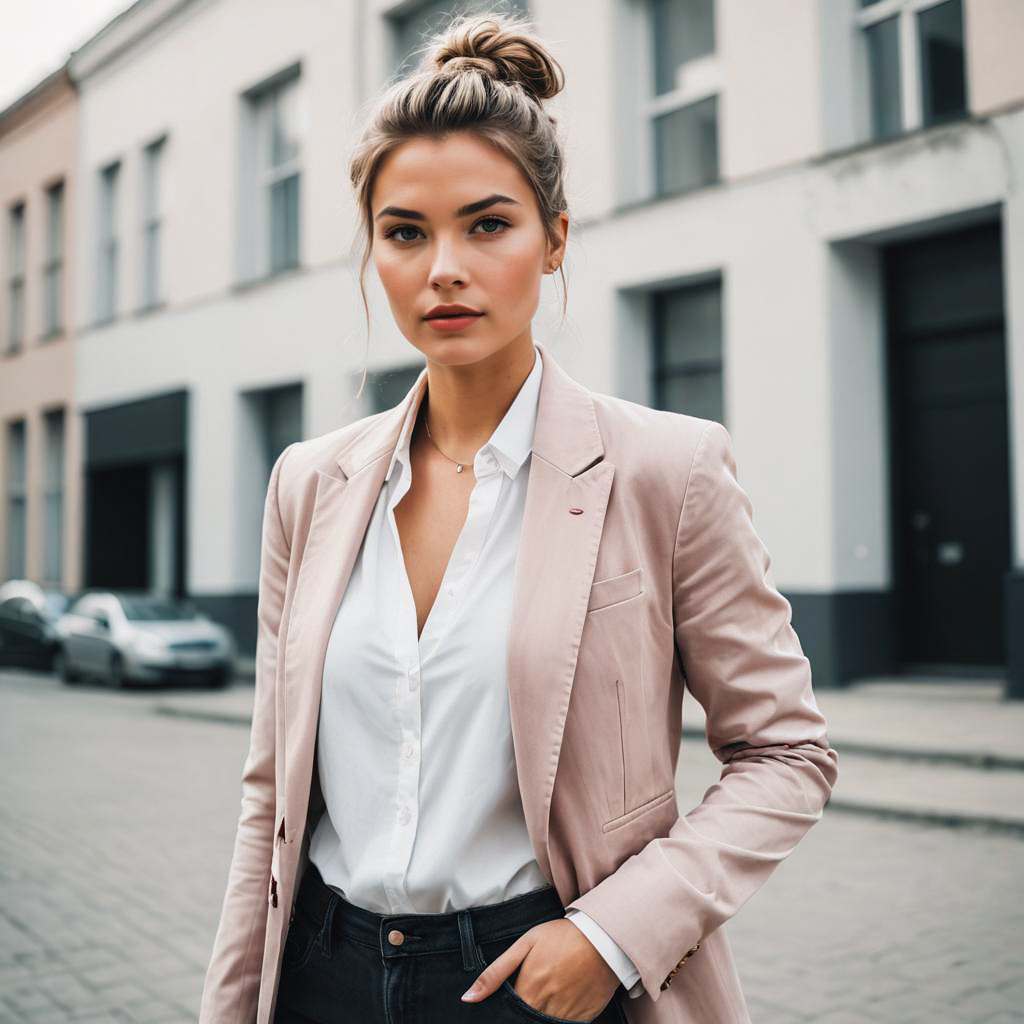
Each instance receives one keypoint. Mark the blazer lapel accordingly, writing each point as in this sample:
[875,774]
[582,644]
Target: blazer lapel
[554,572]
[342,508]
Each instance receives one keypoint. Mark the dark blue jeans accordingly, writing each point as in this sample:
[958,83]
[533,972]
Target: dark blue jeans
[342,963]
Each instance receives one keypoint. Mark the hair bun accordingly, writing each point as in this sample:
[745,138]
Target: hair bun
[501,48]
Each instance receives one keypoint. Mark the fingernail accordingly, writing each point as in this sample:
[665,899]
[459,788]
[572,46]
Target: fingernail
[471,993]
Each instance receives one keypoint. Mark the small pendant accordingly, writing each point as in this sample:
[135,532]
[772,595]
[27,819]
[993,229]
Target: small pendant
[458,469]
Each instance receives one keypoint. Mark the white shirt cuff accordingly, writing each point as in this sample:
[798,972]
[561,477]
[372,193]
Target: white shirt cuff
[609,949]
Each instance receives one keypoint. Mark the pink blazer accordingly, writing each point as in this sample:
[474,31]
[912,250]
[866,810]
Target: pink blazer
[639,572]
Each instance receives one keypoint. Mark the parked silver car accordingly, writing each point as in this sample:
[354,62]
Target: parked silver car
[121,638]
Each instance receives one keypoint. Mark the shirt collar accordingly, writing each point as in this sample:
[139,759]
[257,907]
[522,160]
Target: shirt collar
[512,440]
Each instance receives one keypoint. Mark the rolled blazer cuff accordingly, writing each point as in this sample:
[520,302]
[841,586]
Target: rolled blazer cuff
[743,662]
[617,960]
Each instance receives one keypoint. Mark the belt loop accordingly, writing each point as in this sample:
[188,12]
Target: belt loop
[325,931]
[469,954]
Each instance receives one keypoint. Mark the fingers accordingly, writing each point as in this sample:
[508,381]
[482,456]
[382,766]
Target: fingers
[490,978]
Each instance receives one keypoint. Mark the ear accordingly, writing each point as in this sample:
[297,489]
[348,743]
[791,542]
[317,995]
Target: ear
[555,254]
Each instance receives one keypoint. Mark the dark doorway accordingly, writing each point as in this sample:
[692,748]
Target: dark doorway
[118,517]
[135,525]
[949,448]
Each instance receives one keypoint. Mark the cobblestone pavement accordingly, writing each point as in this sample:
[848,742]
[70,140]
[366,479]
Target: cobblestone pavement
[118,825]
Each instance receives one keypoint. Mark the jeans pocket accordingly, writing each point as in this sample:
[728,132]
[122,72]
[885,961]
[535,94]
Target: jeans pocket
[494,948]
[303,933]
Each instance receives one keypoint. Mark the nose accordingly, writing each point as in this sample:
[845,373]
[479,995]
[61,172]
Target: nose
[447,268]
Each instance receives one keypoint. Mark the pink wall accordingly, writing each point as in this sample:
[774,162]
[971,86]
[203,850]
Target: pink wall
[38,146]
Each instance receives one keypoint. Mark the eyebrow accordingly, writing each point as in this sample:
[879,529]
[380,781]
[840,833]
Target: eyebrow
[462,211]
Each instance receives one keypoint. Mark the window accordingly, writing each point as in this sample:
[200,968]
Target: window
[271,176]
[16,277]
[687,333]
[914,53]
[386,388]
[411,27]
[53,495]
[53,266]
[282,420]
[106,291]
[682,105]
[16,499]
[152,213]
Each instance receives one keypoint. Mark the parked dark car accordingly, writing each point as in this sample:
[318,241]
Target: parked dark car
[28,618]
[121,638]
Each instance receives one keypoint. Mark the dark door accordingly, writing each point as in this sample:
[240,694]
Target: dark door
[949,447]
[118,527]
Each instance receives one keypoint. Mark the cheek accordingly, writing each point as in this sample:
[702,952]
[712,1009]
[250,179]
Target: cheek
[396,277]
[517,277]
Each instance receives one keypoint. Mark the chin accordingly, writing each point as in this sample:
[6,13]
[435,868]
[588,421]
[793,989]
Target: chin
[456,350]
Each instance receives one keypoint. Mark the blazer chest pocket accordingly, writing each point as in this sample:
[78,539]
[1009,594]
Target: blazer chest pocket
[615,589]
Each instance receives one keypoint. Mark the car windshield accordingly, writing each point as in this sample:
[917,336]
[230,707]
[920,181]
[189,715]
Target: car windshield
[156,609]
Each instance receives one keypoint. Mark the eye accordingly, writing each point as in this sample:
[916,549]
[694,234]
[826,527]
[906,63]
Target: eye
[401,227]
[499,226]
[493,220]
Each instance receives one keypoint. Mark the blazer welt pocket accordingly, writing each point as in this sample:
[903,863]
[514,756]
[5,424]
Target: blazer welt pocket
[638,812]
[616,589]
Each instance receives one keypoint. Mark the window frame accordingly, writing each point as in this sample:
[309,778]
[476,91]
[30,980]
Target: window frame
[258,175]
[108,253]
[54,423]
[151,215]
[638,106]
[17,216]
[662,369]
[54,240]
[16,495]
[911,86]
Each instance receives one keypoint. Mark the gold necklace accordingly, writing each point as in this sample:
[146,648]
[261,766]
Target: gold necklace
[458,465]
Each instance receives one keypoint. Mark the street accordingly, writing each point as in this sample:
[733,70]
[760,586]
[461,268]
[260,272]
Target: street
[118,824]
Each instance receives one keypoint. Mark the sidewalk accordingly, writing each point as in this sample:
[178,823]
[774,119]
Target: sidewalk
[948,752]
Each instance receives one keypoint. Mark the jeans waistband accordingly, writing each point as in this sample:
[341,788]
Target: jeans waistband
[403,935]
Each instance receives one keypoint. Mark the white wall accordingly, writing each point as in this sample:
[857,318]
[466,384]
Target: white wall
[794,240]
[803,335]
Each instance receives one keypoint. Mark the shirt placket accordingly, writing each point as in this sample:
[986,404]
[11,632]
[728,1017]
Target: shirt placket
[406,707]
[411,652]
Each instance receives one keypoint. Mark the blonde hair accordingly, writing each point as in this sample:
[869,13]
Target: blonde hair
[486,74]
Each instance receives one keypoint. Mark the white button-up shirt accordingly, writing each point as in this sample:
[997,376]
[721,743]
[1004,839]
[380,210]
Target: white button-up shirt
[415,757]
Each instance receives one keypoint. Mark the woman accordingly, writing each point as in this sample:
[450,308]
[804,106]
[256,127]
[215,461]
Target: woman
[477,613]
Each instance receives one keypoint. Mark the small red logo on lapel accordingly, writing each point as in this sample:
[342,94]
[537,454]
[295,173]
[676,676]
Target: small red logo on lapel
[576,511]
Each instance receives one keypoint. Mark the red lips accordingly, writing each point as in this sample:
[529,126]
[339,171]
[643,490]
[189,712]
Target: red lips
[451,310]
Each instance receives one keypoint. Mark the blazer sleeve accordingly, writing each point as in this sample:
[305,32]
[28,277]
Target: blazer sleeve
[231,986]
[743,662]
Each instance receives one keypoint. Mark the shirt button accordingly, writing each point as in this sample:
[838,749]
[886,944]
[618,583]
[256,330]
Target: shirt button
[451,591]
[407,750]
[413,683]
[403,816]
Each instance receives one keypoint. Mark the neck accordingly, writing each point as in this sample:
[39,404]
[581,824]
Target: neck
[465,403]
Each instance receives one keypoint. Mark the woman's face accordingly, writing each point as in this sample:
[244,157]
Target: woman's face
[455,222]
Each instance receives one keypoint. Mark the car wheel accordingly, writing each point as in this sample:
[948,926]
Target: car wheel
[62,667]
[118,680]
[220,679]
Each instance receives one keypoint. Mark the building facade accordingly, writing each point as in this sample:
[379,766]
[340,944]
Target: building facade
[798,218]
[39,447]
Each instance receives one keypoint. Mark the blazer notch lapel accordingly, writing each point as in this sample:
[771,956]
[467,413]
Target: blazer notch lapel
[341,512]
[555,570]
